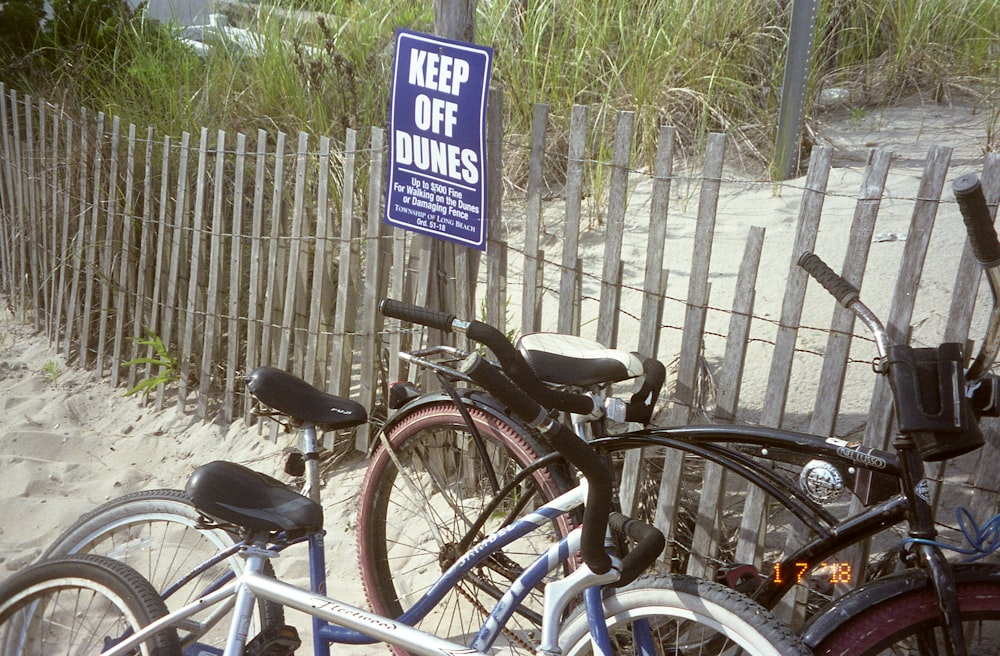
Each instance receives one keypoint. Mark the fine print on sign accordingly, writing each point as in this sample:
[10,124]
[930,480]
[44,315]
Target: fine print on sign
[437,138]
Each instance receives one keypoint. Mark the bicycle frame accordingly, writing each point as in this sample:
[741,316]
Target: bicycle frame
[832,535]
[335,622]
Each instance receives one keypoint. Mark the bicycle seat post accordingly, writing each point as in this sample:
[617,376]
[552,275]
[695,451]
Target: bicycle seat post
[309,443]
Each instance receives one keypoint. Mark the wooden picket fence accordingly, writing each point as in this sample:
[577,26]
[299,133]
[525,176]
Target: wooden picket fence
[237,252]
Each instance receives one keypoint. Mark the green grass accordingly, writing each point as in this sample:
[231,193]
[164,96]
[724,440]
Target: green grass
[701,66]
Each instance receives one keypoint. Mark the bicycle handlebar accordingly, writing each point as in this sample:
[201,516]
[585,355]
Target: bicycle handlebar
[511,360]
[562,439]
[519,388]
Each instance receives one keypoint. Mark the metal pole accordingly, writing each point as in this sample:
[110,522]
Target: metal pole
[798,62]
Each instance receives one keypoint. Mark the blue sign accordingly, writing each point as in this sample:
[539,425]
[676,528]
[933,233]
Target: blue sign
[437,138]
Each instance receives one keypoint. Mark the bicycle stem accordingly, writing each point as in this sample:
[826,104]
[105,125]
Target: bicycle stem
[867,317]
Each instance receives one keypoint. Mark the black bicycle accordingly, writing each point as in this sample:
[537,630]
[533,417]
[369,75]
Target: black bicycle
[931,606]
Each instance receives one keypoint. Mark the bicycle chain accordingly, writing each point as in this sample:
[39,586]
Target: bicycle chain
[507,569]
[482,609]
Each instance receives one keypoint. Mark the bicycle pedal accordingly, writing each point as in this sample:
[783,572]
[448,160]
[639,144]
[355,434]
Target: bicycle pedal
[275,641]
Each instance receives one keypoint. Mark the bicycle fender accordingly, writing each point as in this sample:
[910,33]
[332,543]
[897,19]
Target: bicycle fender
[470,398]
[863,597]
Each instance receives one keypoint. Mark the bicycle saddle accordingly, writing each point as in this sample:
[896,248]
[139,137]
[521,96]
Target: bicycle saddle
[571,360]
[298,399]
[234,494]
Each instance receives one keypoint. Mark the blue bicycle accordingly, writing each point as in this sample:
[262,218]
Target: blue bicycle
[595,601]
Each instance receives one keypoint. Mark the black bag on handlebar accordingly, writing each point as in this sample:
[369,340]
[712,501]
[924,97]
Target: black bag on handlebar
[931,407]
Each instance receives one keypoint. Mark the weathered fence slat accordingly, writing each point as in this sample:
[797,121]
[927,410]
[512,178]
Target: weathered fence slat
[45,227]
[256,253]
[90,259]
[730,376]
[20,203]
[294,257]
[214,264]
[398,339]
[31,226]
[377,261]
[110,213]
[320,274]
[569,282]
[795,288]
[173,281]
[6,199]
[348,263]
[697,296]
[126,276]
[61,190]
[653,291]
[143,290]
[530,311]
[275,262]
[190,308]
[162,253]
[496,263]
[607,314]
[235,278]
[77,245]
[654,287]
[54,165]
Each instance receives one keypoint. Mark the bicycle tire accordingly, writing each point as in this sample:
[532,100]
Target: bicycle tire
[895,624]
[686,616]
[445,472]
[161,535]
[76,605]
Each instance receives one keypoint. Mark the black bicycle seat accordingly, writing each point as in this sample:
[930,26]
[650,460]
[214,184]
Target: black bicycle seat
[571,360]
[234,494]
[298,399]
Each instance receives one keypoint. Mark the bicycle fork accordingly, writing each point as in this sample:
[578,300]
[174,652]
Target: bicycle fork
[929,557]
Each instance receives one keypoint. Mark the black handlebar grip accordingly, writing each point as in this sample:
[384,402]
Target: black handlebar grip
[577,452]
[976,214]
[649,545]
[493,381]
[416,314]
[841,290]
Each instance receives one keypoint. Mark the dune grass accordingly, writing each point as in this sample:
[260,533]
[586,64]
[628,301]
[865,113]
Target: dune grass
[701,66]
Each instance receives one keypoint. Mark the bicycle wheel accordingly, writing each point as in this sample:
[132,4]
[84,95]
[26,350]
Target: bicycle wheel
[681,615]
[79,605]
[908,622]
[417,503]
[161,535]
